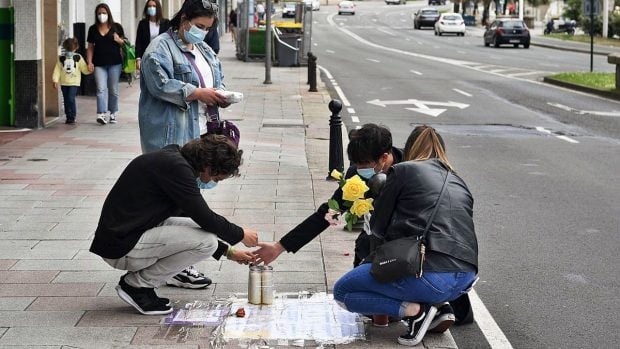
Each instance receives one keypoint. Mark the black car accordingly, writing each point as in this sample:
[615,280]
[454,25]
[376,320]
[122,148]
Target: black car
[507,31]
[425,17]
[436,2]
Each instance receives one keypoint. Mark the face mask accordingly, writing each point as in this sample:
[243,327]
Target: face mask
[202,185]
[195,35]
[151,11]
[102,18]
[366,173]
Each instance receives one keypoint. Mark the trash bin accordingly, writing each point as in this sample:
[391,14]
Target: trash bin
[469,20]
[287,56]
[257,42]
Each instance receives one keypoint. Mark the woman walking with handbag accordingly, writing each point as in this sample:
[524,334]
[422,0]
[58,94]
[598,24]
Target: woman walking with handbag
[422,197]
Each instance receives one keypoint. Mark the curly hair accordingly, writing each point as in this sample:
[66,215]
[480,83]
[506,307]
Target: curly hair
[215,152]
[368,143]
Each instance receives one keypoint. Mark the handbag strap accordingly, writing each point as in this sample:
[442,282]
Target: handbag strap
[432,217]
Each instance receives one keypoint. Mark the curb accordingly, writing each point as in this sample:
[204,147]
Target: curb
[603,93]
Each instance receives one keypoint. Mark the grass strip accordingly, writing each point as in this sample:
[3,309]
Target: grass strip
[601,81]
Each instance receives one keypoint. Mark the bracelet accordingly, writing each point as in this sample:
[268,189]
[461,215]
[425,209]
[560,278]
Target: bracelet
[230,252]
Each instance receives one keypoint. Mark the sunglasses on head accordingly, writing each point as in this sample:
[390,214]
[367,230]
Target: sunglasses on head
[208,5]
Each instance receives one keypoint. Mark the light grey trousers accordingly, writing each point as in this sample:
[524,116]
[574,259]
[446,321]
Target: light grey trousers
[164,251]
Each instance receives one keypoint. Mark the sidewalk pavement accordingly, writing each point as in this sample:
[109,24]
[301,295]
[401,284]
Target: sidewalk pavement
[54,293]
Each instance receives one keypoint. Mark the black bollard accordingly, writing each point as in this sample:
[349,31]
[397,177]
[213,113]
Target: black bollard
[336,162]
[312,73]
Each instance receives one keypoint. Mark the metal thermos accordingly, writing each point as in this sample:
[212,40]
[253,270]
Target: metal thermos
[254,285]
[267,285]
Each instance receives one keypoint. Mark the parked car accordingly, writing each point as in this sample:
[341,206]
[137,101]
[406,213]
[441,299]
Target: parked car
[396,2]
[346,7]
[507,31]
[288,10]
[450,23]
[425,17]
[436,2]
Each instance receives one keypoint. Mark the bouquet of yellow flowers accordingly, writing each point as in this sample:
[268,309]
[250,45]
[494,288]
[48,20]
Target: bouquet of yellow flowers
[355,206]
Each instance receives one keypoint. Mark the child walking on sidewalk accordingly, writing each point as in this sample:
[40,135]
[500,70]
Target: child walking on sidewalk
[68,73]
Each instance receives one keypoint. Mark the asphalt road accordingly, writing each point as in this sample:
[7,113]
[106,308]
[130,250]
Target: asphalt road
[541,161]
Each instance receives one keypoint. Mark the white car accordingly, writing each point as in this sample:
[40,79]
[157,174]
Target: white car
[396,2]
[315,4]
[450,23]
[346,7]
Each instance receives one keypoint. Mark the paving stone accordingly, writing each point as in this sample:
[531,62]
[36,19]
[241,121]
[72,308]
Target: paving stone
[44,235]
[70,244]
[126,317]
[39,318]
[163,291]
[59,264]
[69,336]
[27,277]
[111,276]
[5,264]
[77,303]
[16,244]
[37,253]
[15,303]
[227,290]
[31,347]
[76,289]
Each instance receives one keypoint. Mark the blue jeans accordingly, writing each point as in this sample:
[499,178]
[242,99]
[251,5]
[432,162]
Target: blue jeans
[68,98]
[361,293]
[106,78]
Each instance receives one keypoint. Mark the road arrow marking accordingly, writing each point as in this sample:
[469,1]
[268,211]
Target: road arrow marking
[421,106]
[428,111]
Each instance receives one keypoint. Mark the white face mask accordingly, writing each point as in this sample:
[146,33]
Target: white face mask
[102,17]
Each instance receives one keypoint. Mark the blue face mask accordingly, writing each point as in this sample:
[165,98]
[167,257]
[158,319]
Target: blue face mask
[195,35]
[202,185]
[151,11]
[366,173]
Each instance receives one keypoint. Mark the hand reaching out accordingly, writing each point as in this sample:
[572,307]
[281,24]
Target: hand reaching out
[250,237]
[268,252]
[242,256]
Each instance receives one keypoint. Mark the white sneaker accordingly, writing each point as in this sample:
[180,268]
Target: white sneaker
[102,119]
[112,118]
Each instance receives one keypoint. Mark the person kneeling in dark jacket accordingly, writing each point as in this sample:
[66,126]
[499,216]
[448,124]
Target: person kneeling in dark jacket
[402,210]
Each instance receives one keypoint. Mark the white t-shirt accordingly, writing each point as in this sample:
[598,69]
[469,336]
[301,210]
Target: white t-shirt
[207,76]
[154,29]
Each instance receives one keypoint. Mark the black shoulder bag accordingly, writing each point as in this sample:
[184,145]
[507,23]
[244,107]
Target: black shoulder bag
[403,257]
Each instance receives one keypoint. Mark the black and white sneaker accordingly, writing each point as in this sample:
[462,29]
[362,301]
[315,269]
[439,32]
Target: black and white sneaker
[190,278]
[443,320]
[142,299]
[417,325]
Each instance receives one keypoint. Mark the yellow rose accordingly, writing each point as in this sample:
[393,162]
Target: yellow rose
[361,207]
[335,174]
[354,188]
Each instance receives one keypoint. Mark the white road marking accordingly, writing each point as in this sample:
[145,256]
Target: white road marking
[584,112]
[386,31]
[568,139]
[355,119]
[327,73]
[373,60]
[462,92]
[527,73]
[351,110]
[415,72]
[343,98]
[543,130]
[329,51]
[417,103]
[494,335]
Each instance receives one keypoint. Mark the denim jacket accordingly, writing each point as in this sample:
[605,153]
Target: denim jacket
[167,78]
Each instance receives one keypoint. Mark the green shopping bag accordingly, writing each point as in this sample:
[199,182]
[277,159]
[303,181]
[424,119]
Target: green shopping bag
[129,58]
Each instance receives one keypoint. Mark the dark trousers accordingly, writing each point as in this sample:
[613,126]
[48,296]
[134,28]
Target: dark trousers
[68,96]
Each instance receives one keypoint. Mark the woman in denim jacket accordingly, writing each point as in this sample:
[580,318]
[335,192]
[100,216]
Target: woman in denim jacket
[179,78]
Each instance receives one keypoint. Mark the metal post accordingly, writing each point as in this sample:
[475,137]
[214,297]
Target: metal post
[312,72]
[591,35]
[336,162]
[268,44]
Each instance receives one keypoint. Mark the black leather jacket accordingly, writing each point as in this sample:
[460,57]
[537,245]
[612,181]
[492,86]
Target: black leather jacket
[406,202]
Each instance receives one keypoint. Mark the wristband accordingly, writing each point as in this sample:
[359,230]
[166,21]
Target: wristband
[230,252]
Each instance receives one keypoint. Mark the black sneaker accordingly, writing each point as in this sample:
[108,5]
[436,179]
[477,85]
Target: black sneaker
[141,299]
[160,300]
[190,278]
[443,320]
[417,325]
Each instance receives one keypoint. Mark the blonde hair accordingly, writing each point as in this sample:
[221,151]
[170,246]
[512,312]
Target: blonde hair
[425,143]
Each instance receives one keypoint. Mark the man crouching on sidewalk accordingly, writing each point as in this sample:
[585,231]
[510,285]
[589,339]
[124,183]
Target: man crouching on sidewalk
[141,229]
